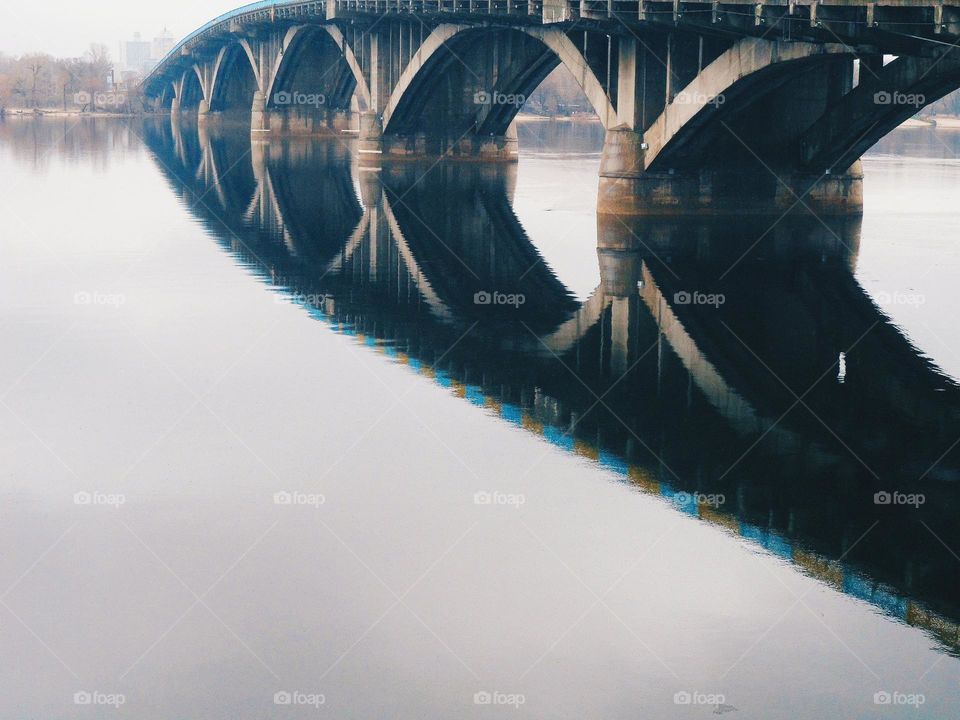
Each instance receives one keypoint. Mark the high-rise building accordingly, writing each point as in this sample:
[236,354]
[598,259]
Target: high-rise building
[162,44]
[137,54]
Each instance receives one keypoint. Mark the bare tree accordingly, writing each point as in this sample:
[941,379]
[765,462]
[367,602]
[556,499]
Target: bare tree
[97,66]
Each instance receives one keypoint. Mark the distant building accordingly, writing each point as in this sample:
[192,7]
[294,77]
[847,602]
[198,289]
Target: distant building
[162,44]
[137,54]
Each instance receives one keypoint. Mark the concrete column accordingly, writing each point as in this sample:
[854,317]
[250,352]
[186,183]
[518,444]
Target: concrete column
[621,172]
[627,83]
[259,121]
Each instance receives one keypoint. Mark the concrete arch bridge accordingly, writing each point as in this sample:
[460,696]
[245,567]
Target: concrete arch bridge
[709,107]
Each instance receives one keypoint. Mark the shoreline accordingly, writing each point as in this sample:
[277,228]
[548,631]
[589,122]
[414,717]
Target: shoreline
[936,122]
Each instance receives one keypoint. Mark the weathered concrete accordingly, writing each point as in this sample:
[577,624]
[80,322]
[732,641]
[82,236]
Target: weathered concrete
[758,191]
[758,118]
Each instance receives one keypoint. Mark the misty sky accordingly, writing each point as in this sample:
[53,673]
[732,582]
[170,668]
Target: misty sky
[67,27]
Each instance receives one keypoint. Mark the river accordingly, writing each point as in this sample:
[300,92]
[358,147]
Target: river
[283,437]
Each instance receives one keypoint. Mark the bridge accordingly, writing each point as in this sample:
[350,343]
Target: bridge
[713,107]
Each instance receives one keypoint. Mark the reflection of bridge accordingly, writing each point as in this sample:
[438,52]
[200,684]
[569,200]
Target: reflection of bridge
[686,91]
[690,387]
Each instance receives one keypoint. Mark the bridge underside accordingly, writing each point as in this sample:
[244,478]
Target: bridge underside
[705,112]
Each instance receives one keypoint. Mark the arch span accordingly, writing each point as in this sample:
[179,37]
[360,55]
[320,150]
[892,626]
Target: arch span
[470,82]
[189,90]
[881,102]
[233,81]
[317,84]
[701,118]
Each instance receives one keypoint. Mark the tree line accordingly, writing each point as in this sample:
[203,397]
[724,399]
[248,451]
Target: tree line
[40,81]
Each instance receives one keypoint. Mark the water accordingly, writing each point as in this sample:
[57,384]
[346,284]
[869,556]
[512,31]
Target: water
[260,437]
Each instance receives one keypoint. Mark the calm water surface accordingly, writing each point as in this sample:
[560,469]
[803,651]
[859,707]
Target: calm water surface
[263,433]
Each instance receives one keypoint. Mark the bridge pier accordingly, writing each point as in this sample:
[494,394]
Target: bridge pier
[376,147]
[626,188]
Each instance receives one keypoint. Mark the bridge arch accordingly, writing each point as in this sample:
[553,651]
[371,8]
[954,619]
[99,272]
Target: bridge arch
[881,102]
[461,73]
[234,80]
[189,90]
[702,118]
[318,59]
[317,83]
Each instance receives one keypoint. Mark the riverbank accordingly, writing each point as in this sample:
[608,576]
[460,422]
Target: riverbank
[21,112]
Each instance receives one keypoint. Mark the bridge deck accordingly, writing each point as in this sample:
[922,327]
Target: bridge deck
[923,17]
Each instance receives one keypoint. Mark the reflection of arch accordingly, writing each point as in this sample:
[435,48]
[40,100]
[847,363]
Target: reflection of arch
[437,306]
[565,336]
[715,388]
[446,47]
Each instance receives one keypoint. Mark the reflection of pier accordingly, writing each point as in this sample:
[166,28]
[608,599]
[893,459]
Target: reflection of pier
[396,258]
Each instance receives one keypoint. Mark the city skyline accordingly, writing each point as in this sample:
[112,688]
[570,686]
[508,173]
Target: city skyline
[66,29]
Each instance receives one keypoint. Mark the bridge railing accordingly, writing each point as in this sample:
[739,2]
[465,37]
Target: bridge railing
[283,8]
[427,7]
[556,10]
